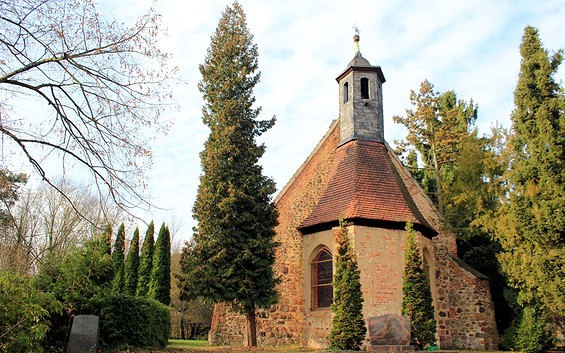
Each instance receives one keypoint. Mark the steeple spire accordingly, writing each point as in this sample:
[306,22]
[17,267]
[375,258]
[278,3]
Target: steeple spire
[361,99]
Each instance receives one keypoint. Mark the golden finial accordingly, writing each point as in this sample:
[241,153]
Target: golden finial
[356,38]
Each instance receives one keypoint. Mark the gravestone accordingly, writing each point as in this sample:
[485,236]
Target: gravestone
[84,334]
[390,333]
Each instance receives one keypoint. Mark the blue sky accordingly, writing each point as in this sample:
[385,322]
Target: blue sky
[470,47]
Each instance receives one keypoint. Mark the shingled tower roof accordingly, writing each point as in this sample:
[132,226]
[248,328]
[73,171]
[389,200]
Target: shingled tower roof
[364,186]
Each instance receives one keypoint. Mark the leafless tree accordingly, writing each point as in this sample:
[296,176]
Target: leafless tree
[43,224]
[101,86]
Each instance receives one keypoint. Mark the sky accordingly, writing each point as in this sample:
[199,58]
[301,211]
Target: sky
[471,47]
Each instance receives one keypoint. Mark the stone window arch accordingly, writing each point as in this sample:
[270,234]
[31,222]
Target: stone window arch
[321,270]
[364,88]
[346,92]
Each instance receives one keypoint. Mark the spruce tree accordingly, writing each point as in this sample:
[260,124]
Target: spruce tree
[233,251]
[348,326]
[118,256]
[532,222]
[160,282]
[417,300]
[132,265]
[146,261]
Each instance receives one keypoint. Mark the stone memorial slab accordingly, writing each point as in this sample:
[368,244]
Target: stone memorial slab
[84,334]
[389,330]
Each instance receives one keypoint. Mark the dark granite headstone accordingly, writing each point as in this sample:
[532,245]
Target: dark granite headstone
[84,334]
[389,330]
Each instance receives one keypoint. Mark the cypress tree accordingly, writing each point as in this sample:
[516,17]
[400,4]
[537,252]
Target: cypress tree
[417,301]
[534,235]
[348,326]
[160,282]
[132,264]
[233,251]
[118,256]
[146,261]
[530,225]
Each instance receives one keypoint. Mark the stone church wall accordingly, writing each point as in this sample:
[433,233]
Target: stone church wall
[464,309]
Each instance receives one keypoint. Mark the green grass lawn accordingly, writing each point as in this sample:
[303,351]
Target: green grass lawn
[202,346]
[187,344]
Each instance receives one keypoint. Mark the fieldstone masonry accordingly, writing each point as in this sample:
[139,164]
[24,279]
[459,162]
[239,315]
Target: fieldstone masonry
[461,296]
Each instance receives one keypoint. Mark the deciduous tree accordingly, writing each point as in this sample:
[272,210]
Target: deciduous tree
[102,87]
[233,250]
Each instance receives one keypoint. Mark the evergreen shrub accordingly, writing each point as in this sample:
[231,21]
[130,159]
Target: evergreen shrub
[127,321]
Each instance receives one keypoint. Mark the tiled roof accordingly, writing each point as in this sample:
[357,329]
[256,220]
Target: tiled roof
[358,60]
[365,186]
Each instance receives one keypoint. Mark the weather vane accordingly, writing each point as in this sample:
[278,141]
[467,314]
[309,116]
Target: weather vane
[356,37]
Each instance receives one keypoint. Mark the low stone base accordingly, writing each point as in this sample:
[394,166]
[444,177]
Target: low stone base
[390,348]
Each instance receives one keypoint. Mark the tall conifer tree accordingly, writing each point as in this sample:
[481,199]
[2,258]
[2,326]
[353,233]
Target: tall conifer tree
[160,282]
[417,300]
[531,223]
[231,258]
[348,327]
[118,259]
[108,239]
[132,264]
[146,261]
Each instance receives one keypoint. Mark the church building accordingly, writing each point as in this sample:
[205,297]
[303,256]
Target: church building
[353,174]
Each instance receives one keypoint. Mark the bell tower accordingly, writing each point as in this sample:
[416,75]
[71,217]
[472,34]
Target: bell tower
[361,100]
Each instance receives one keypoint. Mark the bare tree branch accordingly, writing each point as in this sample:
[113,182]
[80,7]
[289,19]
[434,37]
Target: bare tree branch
[104,87]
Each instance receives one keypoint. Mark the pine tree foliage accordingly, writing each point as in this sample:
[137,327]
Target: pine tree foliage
[462,174]
[417,300]
[233,250]
[118,260]
[132,265]
[531,223]
[160,282]
[146,261]
[348,327]
[436,128]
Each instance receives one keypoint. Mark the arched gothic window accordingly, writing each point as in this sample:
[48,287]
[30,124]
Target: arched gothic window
[322,278]
[364,88]
[345,92]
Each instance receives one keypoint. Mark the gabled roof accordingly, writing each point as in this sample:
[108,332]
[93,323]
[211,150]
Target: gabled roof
[364,187]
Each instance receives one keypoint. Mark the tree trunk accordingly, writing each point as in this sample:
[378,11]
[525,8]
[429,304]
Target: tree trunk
[251,329]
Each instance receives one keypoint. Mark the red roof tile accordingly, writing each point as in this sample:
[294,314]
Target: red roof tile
[364,185]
